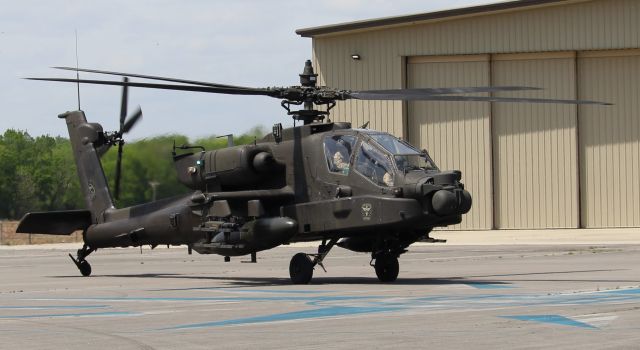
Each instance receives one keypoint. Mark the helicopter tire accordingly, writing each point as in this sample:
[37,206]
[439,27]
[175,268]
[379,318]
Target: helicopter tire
[387,268]
[84,267]
[301,269]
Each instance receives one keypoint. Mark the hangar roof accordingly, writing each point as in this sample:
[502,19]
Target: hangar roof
[395,21]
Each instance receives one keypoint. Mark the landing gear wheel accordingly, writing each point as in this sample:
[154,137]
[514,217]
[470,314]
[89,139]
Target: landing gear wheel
[84,267]
[301,269]
[387,268]
[80,261]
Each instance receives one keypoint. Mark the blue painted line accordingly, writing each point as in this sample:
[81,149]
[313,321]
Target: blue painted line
[553,319]
[53,307]
[480,285]
[327,312]
[89,314]
[239,299]
[465,297]
[281,291]
[624,291]
[593,299]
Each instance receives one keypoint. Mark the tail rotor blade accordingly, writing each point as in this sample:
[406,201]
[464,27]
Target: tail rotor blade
[132,120]
[123,102]
[118,170]
[126,124]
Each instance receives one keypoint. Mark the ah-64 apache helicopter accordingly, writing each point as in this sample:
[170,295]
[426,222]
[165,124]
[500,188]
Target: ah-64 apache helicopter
[360,189]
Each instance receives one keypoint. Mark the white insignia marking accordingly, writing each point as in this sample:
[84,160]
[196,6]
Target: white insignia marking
[367,211]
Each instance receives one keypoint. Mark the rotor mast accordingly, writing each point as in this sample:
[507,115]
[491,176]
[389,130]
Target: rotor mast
[308,97]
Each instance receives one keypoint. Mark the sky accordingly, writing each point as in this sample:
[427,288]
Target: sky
[243,42]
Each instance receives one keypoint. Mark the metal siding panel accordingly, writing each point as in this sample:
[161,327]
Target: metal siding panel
[610,140]
[581,26]
[535,174]
[600,24]
[456,134]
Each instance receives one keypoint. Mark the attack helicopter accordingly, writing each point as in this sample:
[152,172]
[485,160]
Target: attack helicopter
[355,188]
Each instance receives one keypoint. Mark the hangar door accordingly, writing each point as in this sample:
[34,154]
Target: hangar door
[535,145]
[457,135]
[610,138]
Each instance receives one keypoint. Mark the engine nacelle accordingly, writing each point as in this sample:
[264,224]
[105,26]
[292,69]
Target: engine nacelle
[225,169]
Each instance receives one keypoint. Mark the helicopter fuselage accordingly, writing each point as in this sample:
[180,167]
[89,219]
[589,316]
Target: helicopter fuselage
[365,196]
[364,189]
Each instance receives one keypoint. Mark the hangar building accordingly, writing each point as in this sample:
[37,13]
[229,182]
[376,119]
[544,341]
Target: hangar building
[528,166]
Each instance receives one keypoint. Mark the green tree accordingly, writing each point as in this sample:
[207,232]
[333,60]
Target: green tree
[39,174]
[35,174]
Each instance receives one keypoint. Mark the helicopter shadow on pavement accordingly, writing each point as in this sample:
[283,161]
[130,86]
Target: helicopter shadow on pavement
[231,282]
[479,281]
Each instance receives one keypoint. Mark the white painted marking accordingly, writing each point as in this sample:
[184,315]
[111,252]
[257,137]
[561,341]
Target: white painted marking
[596,320]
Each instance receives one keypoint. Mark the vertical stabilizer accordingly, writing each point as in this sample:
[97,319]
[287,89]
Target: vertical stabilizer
[86,139]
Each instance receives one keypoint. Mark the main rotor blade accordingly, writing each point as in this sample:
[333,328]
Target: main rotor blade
[415,97]
[448,91]
[132,120]
[123,103]
[151,77]
[209,89]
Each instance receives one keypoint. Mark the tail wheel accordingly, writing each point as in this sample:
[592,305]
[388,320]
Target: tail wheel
[301,269]
[84,267]
[80,261]
[387,268]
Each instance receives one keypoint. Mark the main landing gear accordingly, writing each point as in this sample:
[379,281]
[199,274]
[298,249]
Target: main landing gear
[302,265]
[81,262]
[384,257]
[384,261]
[386,266]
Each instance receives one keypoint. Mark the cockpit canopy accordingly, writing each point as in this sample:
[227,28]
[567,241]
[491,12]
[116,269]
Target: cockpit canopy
[378,157]
[405,156]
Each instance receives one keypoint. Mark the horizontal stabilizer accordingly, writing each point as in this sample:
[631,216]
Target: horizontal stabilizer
[63,222]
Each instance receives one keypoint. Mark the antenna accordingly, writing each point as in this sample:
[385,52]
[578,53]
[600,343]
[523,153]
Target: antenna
[77,70]
[229,139]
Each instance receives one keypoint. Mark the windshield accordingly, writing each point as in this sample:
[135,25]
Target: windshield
[406,156]
[414,162]
[394,145]
[374,165]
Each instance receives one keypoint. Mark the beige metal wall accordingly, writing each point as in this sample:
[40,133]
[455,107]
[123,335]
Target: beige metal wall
[532,180]
[605,156]
[577,25]
[610,138]
[535,145]
[377,71]
[457,135]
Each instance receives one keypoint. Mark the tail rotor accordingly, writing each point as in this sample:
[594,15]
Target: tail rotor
[126,124]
